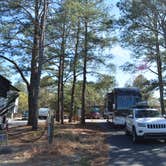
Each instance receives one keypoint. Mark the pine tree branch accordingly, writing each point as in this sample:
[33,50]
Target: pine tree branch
[152,71]
[17,68]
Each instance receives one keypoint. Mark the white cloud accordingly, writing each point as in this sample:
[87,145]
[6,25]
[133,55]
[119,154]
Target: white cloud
[120,55]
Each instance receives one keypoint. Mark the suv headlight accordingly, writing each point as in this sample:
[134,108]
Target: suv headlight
[141,124]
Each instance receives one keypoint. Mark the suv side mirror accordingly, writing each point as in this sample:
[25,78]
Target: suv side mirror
[164,115]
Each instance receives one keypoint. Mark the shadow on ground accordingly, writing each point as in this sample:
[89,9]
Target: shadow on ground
[145,153]
[44,159]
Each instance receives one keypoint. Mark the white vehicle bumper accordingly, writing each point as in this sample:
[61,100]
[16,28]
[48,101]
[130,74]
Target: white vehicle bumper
[151,133]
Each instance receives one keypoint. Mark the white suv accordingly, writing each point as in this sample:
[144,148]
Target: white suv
[145,123]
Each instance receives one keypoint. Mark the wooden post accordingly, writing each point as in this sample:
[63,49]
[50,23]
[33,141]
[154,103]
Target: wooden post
[50,127]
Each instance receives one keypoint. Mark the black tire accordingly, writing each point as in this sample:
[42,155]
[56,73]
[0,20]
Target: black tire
[126,131]
[135,138]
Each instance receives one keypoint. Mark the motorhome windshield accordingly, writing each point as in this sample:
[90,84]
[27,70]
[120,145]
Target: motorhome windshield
[126,101]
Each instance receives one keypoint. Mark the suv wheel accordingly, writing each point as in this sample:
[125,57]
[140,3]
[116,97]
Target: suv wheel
[126,131]
[134,136]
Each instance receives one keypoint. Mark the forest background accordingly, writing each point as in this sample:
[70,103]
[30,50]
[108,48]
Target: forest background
[51,49]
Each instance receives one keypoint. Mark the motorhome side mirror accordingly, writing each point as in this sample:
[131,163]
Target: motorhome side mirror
[130,116]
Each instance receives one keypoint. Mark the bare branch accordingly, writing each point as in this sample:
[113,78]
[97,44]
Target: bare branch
[152,71]
[17,68]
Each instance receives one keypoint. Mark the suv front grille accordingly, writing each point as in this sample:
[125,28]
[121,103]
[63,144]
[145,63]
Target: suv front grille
[156,126]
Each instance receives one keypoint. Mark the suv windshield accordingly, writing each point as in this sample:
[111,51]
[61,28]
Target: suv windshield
[146,113]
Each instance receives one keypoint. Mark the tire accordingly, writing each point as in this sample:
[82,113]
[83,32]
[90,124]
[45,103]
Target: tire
[135,138]
[126,131]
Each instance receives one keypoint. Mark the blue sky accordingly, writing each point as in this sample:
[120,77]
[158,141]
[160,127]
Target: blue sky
[120,56]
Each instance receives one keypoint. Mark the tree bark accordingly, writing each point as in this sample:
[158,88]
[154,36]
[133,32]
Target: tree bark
[83,110]
[61,73]
[59,87]
[160,77]
[36,62]
[74,74]
[62,84]
[33,92]
[159,65]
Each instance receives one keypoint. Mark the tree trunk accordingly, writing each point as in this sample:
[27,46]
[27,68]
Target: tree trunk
[160,78]
[84,73]
[59,87]
[159,65]
[33,98]
[30,98]
[34,72]
[62,85]
[61,73]
[36,63]
[74,74]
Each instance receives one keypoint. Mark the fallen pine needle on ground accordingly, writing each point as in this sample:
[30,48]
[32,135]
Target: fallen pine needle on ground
[72,145]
